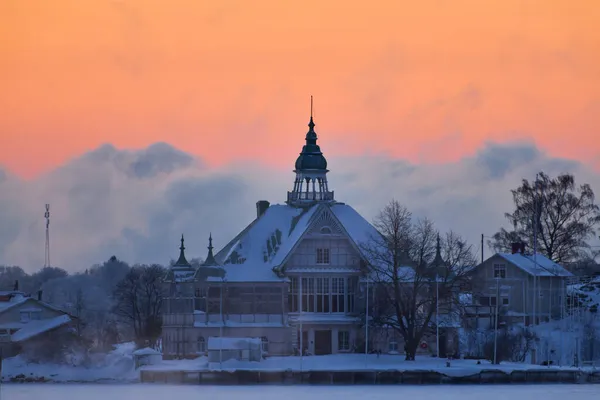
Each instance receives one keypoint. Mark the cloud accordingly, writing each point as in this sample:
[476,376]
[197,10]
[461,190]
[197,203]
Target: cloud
[136,204]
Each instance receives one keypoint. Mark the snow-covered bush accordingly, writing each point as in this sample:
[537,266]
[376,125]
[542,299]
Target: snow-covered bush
[512,344]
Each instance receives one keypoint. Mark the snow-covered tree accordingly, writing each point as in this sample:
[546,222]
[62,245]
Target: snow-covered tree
[565,216]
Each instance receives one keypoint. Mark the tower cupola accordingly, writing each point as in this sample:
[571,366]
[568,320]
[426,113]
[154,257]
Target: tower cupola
[310,185]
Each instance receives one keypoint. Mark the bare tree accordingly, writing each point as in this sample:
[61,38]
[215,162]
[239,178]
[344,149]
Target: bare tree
[138,300]
[79,308]
[564,215]
[405,261]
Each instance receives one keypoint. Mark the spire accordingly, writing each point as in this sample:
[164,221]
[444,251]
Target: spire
[311,124]
[438,261]
[311,158]
[311,170]
[210,258]
[182,260]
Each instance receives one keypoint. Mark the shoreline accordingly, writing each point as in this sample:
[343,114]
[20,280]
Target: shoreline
[369,377]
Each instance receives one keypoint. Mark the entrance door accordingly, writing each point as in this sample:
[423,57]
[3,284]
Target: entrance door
[443,344]
[305,343]
[322,342]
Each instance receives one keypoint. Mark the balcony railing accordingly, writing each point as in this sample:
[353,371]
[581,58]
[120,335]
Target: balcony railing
[234,319]
[309,196]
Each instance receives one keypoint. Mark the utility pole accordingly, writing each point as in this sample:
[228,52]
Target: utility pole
[221,327]
[437,313]
[535,225]
[47,251]
[482,248]
[496,321]
[367,326]
[300,294]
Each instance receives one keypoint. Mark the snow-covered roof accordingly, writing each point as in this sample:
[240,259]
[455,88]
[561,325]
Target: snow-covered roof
[333,318]
[359,229]
[538,265]
[14,301]
[146,351]
[235,324]
[34,328]
[12,293]
[183,275]
[267,242]
[231,343]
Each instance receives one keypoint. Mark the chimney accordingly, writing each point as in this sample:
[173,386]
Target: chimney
[39,295]
[522,247]
[261,207]
[516,247]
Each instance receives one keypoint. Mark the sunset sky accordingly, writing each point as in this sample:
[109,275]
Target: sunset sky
[429,81]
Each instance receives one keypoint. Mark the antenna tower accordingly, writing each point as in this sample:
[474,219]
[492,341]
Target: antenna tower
[47,255]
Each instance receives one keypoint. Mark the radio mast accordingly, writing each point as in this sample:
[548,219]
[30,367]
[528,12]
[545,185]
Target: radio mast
[47,255]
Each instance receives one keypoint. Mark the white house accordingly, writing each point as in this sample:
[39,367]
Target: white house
[291,277]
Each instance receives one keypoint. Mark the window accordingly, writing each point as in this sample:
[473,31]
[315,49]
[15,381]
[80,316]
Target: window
[308,294]
[343,340]
[214,300]
[322,294]
[337,295]
[201,345]
[505,301]
[322,256]
[293,295]
[326,230]
[200,299]
[265,344]
[492,301]
[352,282]
[201,292]
[499,271]
[25,317]
[393,346]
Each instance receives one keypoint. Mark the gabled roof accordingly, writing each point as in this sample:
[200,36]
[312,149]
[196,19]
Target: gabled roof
[15,300]
[267,242]
[7,305]
[539,265]
[360,231]
[34,328]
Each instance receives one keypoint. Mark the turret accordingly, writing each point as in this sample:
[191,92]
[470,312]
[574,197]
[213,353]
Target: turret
[310,185]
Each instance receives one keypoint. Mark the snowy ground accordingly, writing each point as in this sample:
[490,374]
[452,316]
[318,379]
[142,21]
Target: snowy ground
[116,366]
[346,362]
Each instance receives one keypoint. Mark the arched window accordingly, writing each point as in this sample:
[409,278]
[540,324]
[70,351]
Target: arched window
[201,345]
[265,344]
[326,230]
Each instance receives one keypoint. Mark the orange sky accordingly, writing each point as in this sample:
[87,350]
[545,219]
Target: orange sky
[427,80]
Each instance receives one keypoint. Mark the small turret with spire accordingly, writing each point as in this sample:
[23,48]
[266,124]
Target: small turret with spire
[438,264]
[210,258]
[310,185]
[438,261]
[182,261]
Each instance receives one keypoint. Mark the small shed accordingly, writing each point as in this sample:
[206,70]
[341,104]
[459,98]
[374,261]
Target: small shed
[146,356]
[228,348]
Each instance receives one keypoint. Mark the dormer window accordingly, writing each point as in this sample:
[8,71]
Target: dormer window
[322,256]
[30,315]
[326,230]
[500,271]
